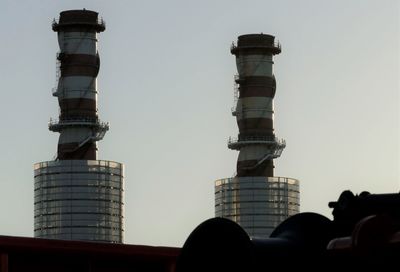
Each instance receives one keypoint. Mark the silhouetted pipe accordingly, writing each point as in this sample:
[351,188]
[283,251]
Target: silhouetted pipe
[221,245]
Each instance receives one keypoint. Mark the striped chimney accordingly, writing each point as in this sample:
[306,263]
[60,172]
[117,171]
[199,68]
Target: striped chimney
[79,64]
[255,91]
[77,196]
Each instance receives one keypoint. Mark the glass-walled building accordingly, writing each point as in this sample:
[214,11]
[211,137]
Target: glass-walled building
[257,204]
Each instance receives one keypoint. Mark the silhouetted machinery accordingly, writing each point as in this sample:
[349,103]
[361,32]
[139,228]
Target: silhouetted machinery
[364,233]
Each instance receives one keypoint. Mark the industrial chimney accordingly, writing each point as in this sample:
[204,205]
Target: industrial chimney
[254,198]
[78,197]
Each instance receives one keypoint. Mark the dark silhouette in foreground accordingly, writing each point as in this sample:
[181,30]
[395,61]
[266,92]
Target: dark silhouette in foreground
[364,233]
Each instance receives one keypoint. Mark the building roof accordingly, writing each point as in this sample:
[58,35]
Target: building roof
[20,253]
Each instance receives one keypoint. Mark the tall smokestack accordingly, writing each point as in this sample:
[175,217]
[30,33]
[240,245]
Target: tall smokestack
[254,112]
[254,198]
[79,61]
[78,197]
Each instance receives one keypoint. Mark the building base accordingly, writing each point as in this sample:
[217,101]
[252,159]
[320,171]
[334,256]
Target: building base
[257,204]
[79,200]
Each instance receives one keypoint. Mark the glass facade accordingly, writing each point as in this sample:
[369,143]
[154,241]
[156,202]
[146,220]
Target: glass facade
[257,204]
[79,200]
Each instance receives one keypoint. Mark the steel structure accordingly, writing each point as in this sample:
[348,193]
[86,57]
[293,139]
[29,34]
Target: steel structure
[78,197]
[254,197]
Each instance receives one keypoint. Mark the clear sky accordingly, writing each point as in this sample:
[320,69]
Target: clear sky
[166,87]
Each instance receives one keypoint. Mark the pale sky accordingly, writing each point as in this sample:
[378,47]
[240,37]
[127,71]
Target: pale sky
[166,87]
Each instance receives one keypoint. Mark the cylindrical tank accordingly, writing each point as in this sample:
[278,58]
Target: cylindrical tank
[79,200]
[257,204]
